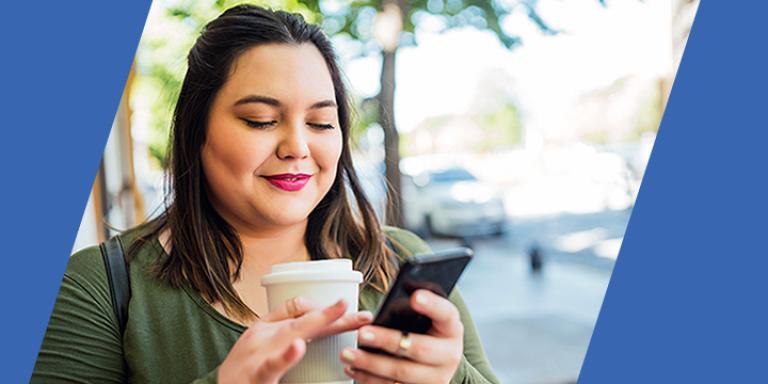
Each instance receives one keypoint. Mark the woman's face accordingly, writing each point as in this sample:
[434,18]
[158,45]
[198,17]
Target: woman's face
[273,141]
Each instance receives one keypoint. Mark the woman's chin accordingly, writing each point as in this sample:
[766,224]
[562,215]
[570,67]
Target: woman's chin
[288,218]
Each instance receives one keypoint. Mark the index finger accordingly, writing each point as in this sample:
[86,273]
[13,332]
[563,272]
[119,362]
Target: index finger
[290,309]
[312,324]
[444,315]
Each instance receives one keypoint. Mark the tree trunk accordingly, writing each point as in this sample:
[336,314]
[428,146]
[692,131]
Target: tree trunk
[386,98]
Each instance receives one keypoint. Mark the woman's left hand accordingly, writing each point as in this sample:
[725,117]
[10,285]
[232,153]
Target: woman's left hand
[430,358]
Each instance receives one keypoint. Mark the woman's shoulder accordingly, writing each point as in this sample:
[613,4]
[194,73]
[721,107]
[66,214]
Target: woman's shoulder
[87,264]
[405,242]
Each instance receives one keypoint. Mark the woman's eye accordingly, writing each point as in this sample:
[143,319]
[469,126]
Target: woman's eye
[259,124]
[321,126]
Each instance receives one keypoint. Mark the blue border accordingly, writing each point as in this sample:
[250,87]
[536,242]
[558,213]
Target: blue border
[63,68]
[687,299]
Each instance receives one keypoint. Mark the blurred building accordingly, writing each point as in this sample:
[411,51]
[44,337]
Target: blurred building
[115,202]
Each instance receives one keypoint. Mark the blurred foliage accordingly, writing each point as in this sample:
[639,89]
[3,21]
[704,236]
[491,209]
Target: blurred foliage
[649,116]
[501,128]
[364,115]
[354,18]
[481,132]
[174,25]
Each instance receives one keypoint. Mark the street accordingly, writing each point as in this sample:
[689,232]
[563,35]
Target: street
[536,327]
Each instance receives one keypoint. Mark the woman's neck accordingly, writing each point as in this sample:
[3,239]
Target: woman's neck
[261,249]
[264,248]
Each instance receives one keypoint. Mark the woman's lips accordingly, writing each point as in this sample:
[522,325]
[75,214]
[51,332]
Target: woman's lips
[290,182]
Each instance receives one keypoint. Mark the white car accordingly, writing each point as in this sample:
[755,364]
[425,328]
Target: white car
[452,202]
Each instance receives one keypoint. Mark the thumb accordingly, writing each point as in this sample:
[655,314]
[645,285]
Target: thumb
[275,366]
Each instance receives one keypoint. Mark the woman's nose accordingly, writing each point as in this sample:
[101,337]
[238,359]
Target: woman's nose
[293,143]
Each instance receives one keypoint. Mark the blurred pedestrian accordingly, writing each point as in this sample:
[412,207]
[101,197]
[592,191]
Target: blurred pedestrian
[536,259]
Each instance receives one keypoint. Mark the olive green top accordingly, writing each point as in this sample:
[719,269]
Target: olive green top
[172,335]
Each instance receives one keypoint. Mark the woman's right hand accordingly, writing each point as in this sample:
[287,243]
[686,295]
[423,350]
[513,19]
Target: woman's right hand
[272,345]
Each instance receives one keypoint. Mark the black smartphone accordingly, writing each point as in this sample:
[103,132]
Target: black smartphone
[437,272]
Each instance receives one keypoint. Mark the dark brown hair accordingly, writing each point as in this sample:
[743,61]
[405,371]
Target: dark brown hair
[205,248]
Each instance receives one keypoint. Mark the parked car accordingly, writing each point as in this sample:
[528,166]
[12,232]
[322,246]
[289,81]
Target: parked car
[452,202]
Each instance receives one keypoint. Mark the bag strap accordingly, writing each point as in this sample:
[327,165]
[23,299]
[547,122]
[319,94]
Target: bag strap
[117,276]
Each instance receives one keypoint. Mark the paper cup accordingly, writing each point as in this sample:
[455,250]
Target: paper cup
[324,282]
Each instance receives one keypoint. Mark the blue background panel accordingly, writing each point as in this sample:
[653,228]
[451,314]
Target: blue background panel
[62,70]
[688,299]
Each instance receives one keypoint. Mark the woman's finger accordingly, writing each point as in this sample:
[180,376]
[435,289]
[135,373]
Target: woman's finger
[423,348]
[310,324]
[392,368]
[291,309]
[363,377]
[348,322]
[273,368]
[445,317]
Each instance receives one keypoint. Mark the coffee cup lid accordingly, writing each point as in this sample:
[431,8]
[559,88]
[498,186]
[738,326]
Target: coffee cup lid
[336,270]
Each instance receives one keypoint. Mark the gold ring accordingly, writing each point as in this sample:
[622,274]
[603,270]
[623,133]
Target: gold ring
[404,345]
[292,307]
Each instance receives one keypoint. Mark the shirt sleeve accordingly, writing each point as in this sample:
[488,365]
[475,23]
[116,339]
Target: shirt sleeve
[474,367]
[83,342]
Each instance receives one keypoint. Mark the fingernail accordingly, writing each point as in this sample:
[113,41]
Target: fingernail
[365,316]
[348,355]
[299,303]
[340,302]
[367,335]
[421,298]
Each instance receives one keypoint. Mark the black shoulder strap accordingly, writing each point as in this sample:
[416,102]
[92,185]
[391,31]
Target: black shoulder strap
[117,275]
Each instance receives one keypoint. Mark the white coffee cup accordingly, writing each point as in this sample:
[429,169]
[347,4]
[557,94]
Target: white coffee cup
[323,282]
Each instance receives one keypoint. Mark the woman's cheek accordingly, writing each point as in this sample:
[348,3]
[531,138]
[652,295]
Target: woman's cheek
[326,151]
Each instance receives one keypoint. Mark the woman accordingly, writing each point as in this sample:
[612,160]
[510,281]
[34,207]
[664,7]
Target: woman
[261,174]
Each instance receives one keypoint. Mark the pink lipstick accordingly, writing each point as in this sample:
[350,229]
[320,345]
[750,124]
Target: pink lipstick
[290,182]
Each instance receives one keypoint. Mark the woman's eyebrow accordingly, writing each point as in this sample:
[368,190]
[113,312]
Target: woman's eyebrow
[276,103]
[258,99]
[323,104]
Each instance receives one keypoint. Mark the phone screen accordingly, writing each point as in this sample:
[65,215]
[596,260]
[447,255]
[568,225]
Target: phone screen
[436,272]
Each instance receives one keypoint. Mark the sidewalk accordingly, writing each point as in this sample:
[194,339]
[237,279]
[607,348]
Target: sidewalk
[535,328]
